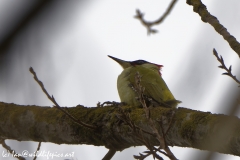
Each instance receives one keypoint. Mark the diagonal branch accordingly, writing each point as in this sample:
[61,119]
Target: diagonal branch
[201,9]
[56,104]
[147,24]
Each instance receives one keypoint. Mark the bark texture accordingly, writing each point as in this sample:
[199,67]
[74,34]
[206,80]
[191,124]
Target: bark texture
[189,128]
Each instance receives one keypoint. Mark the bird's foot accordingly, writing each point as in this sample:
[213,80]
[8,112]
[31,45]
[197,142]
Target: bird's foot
[111,103]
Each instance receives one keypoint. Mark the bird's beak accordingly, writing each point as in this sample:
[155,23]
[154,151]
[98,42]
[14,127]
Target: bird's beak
[124,64]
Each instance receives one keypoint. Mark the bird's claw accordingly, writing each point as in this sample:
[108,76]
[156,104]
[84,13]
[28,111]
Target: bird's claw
[111,103]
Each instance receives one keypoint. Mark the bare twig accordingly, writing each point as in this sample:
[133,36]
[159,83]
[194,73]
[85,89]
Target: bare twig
[150,148]
[201,9]
[109,154]
[158,149]
[38,148]
[170,124]
[126,118]
[223,66]
[147,24]
[138,133]
[141,156]
[160,138]
[13,152]
[56,104]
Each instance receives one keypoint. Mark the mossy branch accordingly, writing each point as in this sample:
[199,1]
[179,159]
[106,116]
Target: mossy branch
[189,128]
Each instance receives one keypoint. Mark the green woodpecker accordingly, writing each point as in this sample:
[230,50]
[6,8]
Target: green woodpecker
[155,87]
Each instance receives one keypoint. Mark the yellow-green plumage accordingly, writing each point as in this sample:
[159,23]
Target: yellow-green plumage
[151,80]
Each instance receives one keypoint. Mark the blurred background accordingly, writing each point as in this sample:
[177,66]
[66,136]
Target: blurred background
[67,43]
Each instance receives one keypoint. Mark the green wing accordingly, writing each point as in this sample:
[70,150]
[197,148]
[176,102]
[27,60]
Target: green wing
[154,85]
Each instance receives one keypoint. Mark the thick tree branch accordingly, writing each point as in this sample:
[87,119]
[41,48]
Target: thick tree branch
[189,128]
[201,9]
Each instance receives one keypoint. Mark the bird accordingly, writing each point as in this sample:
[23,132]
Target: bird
[155,90]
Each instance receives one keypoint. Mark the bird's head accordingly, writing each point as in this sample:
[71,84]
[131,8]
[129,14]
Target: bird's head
[126,64]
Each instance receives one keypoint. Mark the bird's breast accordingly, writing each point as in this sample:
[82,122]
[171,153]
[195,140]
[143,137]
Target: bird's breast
[124,82]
